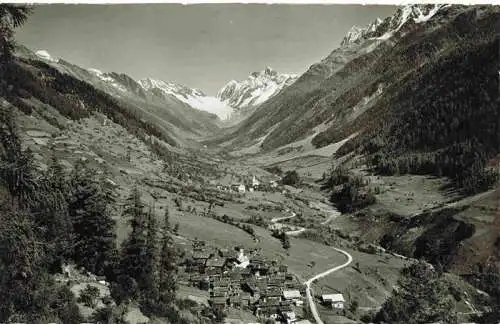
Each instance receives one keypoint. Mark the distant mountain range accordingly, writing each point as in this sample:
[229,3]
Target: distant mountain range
[386,28]
[245,95]
[323,97]
[235,100]
[180,122]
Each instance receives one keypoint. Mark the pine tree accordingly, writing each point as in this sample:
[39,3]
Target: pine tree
[134,251]
[16,165]
[93,225]
[151,266]
[21,256]
[52,213]
[134,208]
[175,230]
[286,242]
[11,17]
[421,297]
[167,266]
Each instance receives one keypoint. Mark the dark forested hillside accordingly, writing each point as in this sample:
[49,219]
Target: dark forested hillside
[444,120]
[440,116]
[73,98]
[424,88]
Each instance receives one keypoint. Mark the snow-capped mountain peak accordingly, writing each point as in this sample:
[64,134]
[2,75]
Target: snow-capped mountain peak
[257,88]
[107,78]
[383,29]
[193,97]
[43,54]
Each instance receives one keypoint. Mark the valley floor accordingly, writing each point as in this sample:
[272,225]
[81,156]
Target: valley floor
[195,187]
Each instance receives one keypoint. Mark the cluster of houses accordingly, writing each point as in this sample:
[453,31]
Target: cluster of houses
[247,281]
[249,185]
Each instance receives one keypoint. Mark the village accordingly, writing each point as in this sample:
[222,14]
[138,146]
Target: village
[251,186]
[248,281]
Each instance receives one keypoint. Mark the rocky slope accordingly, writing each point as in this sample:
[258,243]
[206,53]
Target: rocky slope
[193,97]
[259,87]
[170,111]
[342,79]
[235,101]
[390,25]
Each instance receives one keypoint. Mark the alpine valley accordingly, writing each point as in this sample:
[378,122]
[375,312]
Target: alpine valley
[364,190]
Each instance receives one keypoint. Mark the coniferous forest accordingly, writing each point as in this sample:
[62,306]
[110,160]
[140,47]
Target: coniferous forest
[51,218]
[446,122]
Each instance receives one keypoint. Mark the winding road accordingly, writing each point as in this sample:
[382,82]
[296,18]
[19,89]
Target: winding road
[276,222]
[328,210]
[333,213]
[308,283]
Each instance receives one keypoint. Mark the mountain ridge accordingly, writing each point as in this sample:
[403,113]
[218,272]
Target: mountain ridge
[255,89]
[235,100]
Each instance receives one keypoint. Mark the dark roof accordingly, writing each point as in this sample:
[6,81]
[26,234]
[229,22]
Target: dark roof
[278,276]
[245,296]
[215,262]
[218,300]
[235,298]
[232,254]
[221,284]
[272,292]
[201,254]
[273,303]
[220,289]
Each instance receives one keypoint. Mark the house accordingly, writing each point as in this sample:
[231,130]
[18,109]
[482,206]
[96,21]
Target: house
[255,182]
[235,276]
[291,294]
[219,292]
[246,300]
[230,254]
[242,261]
[215,266]
[272,294]
[221,282]
[218,303]
[200,256]
[336,301]
[241,188]
[256,287]
[195,279]
[272,308]
[235,301]
[258,264]
[276,282]
[289,317]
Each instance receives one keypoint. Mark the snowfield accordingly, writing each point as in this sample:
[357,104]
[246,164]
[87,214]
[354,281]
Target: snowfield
[43,54]
[193,97]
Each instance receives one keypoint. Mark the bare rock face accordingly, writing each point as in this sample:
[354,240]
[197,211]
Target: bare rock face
[256,89]
[407,15]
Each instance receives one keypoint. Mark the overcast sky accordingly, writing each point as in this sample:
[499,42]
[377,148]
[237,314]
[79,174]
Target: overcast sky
[201,46]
